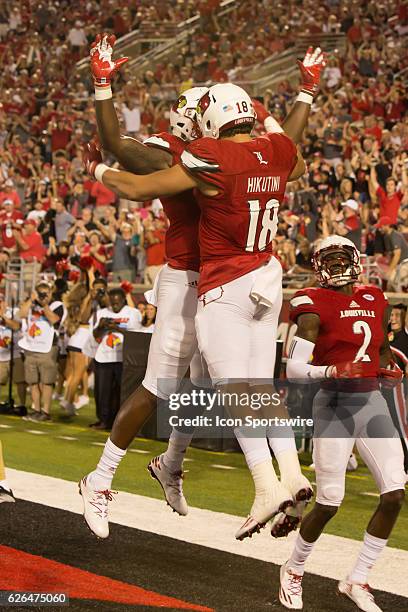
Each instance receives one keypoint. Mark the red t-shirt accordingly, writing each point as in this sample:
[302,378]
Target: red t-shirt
[238,224]
[156,253]
[389,205]
[35,248]
[13,195]
[60,139]
[7,237]
[103,196]
[182,250]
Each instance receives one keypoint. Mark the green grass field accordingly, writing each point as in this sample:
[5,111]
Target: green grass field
[207,484]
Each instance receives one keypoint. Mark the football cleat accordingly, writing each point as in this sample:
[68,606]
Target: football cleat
[6,495]
[290,591]
[96,508]
[264,508]
[360,594]
[171,483]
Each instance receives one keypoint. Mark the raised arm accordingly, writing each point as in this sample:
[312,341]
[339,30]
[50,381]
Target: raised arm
[296,120]
[132,154]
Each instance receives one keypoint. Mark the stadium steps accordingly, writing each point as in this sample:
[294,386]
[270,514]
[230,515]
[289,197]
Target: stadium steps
[155,42]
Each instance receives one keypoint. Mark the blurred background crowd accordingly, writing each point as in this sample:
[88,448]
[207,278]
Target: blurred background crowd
[356,142]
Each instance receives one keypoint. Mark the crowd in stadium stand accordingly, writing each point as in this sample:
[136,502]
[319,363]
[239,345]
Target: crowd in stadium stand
[356,141]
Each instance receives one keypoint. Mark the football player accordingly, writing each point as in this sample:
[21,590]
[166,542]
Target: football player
[131,423]
[6,494]
[343,325]
[174,340]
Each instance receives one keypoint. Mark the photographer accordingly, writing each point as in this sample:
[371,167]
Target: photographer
[108,331]
[39,342]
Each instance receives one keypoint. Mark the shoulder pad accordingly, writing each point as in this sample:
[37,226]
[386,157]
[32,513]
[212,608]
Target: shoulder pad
[197,164]
[157,141]
[301,300]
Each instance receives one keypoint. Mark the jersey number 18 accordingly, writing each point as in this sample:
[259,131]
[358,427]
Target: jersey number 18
[267,218]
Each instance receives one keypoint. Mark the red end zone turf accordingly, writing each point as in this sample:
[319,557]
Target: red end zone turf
[21,571]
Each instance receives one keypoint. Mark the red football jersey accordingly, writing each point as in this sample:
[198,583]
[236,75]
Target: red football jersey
[351,326]
[238,225]
[182,249]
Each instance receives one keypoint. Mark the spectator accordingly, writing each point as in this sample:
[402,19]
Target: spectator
[63,221]
[97,252]
[125,246]
[149,319]
[30,246]
[390,199]
[131,115]
[9,219]
[9,324]
[155,249]
[40,344]
[396,249]
[108,331]
[9,193]
[350,224]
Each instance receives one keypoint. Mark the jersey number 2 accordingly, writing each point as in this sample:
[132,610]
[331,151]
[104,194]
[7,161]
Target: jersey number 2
[361,327]
[269,224]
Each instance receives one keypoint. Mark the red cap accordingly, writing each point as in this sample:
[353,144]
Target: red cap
[384,221]
[31,222]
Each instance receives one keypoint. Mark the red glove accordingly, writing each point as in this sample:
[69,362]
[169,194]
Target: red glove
[126,286]
[346,369]
[391,376]
[260,110]
[310,70]
[91,156]
[102,67]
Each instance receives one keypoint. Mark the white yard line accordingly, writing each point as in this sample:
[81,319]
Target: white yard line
[332,557]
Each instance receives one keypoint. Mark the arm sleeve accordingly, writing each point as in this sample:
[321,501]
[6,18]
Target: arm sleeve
[200,160]
[298,367]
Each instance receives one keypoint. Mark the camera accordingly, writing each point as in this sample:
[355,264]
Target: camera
[100,292]
[42,295]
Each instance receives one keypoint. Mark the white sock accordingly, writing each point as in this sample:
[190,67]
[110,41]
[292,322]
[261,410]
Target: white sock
[5,485]
[101,478]
[256,450]
[283,444]
[174,455]
[300,555]
[371,550]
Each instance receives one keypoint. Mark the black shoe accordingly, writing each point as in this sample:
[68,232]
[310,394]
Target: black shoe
[6,495]
[101,427]
[96,424]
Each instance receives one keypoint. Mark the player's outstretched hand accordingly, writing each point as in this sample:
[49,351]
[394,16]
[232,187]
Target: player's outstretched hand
[261,112]
[346,369]
[310,70]
[91,156]
[391,376]
[103,68]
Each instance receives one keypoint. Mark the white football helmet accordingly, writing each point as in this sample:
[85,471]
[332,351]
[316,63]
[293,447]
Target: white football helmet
[183,114]
[224,106]
[347,269]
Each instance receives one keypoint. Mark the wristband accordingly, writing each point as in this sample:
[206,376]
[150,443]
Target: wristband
[305,97]
[103,93]
[272,126]
[100,171]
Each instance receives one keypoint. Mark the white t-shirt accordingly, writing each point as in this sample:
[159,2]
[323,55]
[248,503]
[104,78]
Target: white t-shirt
[5,339]
[132,118]
[39,333]
[110,348]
